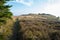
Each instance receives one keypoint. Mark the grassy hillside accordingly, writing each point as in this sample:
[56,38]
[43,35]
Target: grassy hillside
[39,16]
[31,27]
[36,27]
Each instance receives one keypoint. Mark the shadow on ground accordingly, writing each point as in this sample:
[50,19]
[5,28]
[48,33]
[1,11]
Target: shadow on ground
[16,34]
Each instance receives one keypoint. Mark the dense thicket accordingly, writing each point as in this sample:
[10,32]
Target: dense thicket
[5,15]
[39,28]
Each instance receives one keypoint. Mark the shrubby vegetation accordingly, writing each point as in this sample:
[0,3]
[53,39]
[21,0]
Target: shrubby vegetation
[5,20]
[28,27]
[25,28]
[39,29]
[6,30]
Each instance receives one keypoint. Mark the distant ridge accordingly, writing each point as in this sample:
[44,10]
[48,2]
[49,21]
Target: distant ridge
[39,16]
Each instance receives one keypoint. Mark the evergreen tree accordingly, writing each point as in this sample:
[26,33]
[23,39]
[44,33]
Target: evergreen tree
[4,11]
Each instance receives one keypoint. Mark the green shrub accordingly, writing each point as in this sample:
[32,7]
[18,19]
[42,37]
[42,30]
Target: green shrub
[1,37]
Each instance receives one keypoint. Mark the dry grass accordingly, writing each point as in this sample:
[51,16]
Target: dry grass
[29,28]
[6,29]
[42,29]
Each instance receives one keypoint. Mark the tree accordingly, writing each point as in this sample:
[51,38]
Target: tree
[5,13]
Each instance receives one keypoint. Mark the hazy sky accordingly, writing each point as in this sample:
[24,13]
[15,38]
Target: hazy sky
[35,6]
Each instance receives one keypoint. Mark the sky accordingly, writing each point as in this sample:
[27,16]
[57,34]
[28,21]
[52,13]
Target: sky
[20,7]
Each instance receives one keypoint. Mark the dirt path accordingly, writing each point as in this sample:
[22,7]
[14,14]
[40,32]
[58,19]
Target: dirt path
[16,34]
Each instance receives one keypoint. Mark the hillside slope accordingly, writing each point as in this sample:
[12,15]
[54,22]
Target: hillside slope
[31,27]
[34,27]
